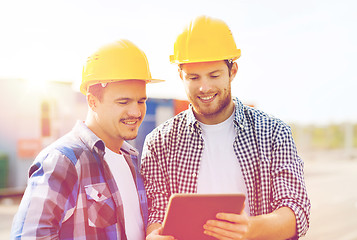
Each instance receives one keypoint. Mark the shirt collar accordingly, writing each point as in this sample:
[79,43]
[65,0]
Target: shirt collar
[94,143]
[192,122]
[126,147]
[240,120]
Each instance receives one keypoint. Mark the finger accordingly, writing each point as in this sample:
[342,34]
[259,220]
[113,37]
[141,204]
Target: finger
[215,235]
[228,226]
[155,235]
[221,233]
[232,217]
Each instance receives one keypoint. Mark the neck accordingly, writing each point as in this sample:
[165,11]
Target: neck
[115,149]
[111,143]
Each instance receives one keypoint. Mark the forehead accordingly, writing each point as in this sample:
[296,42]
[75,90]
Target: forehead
[126,89]
[199,67]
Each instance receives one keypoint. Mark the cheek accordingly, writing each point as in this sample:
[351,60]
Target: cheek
[118,112]
[143,111]
[190,88]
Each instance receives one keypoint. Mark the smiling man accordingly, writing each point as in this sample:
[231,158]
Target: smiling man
[208,90]
[220,145]
[86,185]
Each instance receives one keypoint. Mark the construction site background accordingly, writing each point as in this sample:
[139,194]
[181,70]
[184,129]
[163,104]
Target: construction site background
[31,121]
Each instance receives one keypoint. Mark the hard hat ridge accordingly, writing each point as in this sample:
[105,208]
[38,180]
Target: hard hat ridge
[117,61]
[205,39]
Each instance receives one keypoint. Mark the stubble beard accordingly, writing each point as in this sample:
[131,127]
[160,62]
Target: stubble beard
[131,134]
[221,105]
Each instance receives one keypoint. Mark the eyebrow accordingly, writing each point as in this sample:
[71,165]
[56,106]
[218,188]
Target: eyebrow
[195,74]
[128,99]
[192,74]
[216,71]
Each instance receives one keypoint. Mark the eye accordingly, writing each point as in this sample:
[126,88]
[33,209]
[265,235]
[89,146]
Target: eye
[122,102]
[192,77]
[215,76]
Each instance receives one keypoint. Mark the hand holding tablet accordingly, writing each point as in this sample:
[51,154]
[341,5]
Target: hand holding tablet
[187,213]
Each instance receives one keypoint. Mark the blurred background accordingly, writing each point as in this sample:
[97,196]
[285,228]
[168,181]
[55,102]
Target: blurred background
[298,64]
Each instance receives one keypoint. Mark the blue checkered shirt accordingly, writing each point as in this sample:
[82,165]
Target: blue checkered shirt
[265,150]
[71,193]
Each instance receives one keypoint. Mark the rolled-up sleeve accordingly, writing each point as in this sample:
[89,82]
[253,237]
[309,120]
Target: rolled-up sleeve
[288,184]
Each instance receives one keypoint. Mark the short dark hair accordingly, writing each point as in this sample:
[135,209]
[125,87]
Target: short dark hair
[96,90]
[229,64]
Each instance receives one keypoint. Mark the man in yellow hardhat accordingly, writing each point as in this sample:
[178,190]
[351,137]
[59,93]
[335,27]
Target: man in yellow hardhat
[220,145]
[86,185]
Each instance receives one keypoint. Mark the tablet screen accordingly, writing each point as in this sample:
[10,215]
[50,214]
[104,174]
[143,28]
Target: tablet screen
[187,213]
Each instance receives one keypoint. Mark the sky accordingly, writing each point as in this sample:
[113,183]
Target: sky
[298,58]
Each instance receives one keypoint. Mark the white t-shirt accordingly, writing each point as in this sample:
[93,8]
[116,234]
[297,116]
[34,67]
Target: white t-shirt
[220,171]
[134,226]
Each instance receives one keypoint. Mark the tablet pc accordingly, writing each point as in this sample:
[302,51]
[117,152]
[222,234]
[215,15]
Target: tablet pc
[187,213]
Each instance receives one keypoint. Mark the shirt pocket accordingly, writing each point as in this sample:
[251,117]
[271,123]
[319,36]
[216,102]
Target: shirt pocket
[100,206]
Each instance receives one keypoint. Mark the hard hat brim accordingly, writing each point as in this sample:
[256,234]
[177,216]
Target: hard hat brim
[174,59]
[84,87]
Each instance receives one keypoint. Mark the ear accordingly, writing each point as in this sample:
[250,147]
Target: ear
[234,70]
[92,101]
[180,73]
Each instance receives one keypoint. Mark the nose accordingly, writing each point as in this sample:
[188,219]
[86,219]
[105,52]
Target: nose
[135,110]
[205,85]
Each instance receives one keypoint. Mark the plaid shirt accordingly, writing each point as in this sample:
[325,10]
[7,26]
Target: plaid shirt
[71,193]
[272,170]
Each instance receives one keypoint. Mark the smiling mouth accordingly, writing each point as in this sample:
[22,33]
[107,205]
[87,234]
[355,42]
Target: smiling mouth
[207,98]
[130,122]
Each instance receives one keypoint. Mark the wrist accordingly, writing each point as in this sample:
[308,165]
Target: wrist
[152,227]
[254,228]
[280,224]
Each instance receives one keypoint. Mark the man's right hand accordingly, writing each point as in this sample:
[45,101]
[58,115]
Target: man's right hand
[154,233]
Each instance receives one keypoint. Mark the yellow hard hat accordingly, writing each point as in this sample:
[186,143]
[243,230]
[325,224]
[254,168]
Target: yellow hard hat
[205,39]
[118,61]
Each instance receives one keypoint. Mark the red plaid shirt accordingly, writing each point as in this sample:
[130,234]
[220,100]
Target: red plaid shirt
[71,193]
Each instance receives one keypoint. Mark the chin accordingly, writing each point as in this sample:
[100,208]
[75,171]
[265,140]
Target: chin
[207,111]
[131,136]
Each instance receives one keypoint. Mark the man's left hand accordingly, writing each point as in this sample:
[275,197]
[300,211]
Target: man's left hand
[228,226]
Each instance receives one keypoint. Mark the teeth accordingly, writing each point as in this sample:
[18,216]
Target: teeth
[207,98]
[130,122]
